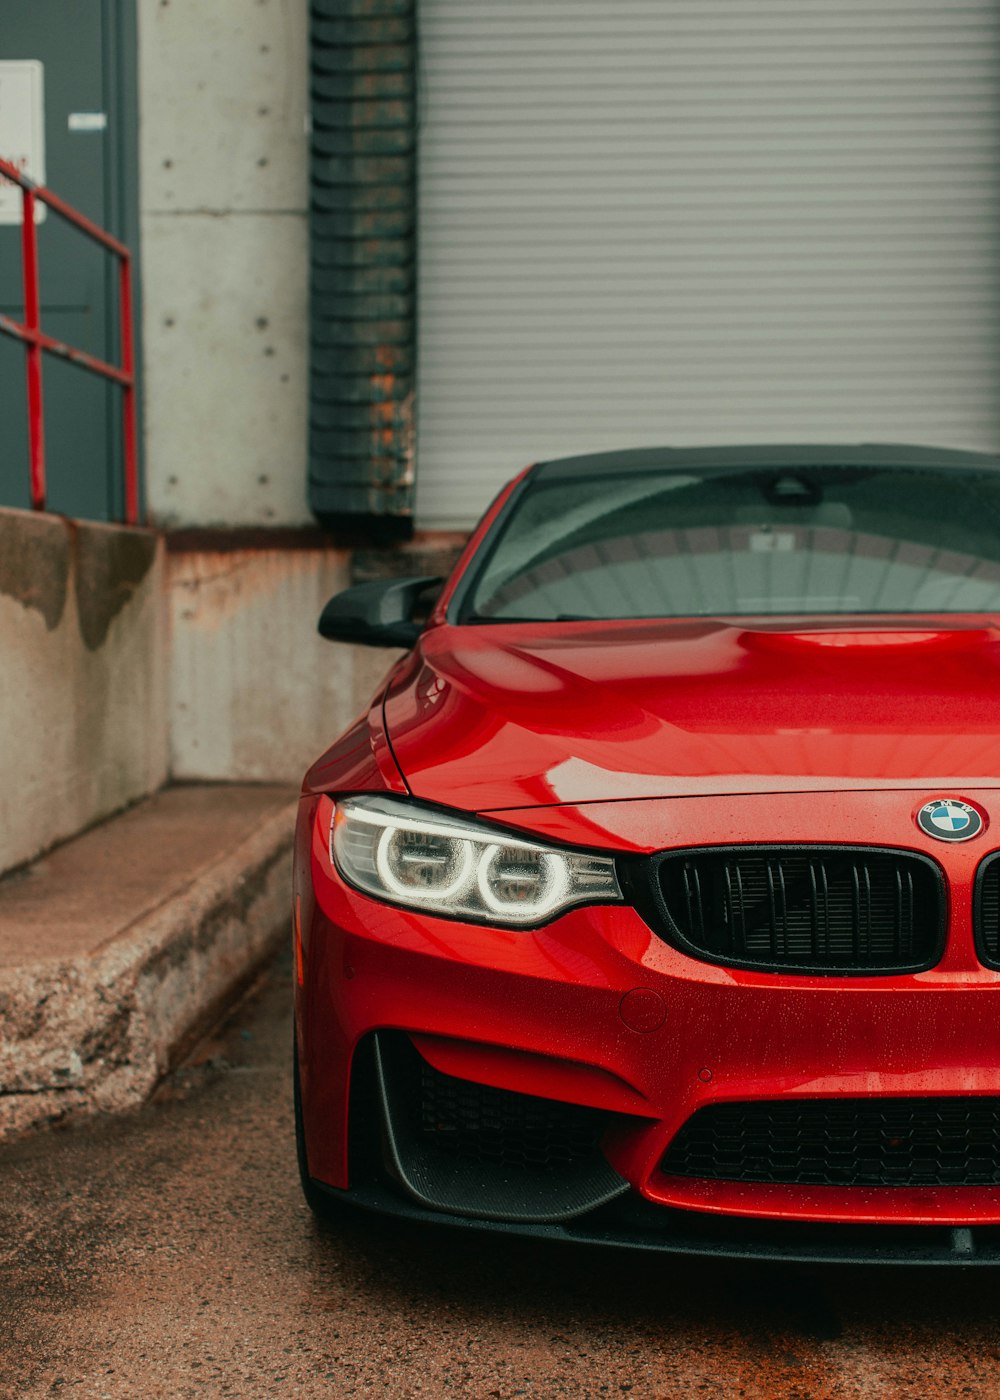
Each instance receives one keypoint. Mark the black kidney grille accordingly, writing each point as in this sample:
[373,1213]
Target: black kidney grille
[843,1142]
[807,909]
[988,911]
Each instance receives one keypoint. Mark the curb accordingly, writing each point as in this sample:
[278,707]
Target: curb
[96,1033]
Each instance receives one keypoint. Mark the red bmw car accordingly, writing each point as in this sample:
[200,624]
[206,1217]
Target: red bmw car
[655,900]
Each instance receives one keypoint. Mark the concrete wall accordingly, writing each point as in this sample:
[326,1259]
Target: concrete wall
[83,714]
[256,693]
[224,162]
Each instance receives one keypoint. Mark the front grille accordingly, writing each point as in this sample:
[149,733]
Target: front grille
[479,1124]
[802,908]
[987,917]
[843,1142]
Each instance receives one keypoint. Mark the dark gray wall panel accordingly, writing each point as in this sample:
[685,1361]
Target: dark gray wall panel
[363,224]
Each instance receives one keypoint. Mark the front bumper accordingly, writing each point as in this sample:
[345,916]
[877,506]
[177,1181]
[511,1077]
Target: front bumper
[632,1223]
[594,1010]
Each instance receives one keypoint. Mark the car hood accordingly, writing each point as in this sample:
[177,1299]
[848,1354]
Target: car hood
[500,716]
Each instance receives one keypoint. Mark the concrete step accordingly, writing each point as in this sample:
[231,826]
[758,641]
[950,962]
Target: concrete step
[119,947]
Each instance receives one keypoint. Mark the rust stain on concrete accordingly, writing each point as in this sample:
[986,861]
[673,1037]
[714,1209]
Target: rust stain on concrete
[34,563]
[212,588]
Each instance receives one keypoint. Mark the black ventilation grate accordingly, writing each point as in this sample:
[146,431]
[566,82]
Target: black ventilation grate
[476,1123]
[843,1142]
[988,911]
[470,1149]
[802,909]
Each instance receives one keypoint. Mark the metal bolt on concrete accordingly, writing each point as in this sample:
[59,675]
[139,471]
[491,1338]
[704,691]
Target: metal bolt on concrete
[168,1254]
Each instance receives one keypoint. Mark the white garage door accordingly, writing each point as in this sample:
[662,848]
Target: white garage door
[702,221]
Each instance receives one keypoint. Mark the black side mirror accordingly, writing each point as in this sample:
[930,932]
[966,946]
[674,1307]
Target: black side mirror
[377,614]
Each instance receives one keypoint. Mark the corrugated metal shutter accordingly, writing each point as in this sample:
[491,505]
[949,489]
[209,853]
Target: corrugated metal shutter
[694,221]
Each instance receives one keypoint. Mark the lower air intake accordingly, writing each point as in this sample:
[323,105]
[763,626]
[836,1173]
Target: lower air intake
[472,1149]
[843,1142]
[478,1124]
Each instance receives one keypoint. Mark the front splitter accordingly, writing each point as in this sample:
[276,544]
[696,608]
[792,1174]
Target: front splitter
[636,1224]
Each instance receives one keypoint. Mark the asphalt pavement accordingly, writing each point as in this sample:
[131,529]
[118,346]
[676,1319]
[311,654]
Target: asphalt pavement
[167,1253]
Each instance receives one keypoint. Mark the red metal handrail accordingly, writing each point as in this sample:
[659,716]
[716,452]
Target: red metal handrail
[35,340]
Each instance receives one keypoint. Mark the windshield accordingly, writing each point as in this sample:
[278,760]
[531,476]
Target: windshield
[795,541]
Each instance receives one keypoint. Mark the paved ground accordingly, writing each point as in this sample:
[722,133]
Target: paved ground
[168,1255]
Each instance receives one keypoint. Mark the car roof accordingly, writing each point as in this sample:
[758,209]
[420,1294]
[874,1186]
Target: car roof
[782,456]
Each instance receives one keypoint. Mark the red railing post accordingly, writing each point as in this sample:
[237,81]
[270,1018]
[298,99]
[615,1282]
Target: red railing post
[33,350]
[36,342]
[128,391]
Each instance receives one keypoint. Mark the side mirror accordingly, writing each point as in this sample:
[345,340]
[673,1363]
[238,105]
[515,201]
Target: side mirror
[377,614]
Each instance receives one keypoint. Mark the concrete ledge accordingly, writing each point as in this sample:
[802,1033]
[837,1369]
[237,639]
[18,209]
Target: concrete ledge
[118,947]
[83,682]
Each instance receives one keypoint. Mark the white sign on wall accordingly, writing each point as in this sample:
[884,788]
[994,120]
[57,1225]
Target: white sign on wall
[22,132]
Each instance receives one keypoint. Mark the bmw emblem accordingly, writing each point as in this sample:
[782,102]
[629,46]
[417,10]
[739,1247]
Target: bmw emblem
[947,819]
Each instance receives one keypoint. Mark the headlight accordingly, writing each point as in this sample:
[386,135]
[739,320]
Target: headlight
[429,860]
